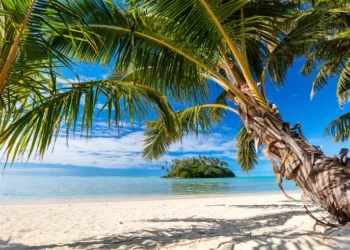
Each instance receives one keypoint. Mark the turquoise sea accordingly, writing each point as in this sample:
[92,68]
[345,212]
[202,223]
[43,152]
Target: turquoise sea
[55,188]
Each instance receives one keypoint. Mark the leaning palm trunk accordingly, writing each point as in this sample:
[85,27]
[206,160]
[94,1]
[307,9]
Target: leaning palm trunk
[324,180]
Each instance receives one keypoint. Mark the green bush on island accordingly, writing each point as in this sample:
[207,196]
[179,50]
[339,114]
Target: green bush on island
[200,167]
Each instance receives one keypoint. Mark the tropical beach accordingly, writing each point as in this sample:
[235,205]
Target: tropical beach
[175,124]
[244,222]
[192,214]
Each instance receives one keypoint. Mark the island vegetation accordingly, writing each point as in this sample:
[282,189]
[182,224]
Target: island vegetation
[200,167]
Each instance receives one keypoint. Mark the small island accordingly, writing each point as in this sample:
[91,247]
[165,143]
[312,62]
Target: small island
[200,167]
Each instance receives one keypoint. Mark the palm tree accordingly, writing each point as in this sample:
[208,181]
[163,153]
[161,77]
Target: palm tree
[173,48]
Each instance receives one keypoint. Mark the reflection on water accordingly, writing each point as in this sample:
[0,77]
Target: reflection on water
[198,187]
[227,185]
[34,188]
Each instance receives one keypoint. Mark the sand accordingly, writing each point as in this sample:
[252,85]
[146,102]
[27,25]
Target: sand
[261,221]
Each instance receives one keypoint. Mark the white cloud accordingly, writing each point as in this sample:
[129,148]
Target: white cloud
[126,151]
[214,142]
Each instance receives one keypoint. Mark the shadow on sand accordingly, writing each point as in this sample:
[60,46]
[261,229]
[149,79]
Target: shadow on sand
[235,231]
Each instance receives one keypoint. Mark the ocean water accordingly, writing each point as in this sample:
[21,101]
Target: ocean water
[55,188]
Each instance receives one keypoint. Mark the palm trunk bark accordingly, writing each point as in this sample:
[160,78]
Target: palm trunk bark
[325,180]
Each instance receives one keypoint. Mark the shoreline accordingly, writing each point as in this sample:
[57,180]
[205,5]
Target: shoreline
[101,200]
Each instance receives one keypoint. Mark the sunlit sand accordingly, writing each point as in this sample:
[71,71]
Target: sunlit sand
[261,221]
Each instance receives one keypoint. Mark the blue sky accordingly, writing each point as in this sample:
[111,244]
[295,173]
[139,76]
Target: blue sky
[108,152]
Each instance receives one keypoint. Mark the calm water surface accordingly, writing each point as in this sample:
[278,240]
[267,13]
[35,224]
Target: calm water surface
[48,188]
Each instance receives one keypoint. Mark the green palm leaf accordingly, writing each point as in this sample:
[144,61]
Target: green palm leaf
[247,156]
[343,88]
[35,129]
[174,42]
[218,20]
[329,55]
[339,128]
[196,119]
[301,34]
[136,40]
[29,63]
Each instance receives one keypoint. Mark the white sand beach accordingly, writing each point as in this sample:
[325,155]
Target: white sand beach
[261,221]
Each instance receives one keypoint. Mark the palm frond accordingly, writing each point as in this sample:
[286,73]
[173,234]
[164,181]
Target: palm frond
[175,40]
[303,32]
[158,141]
[194,120]
[343,87]
[327,70]
[247,157]
[34,130]
[329,55]
[339,128]
[29,63]
[135,39]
